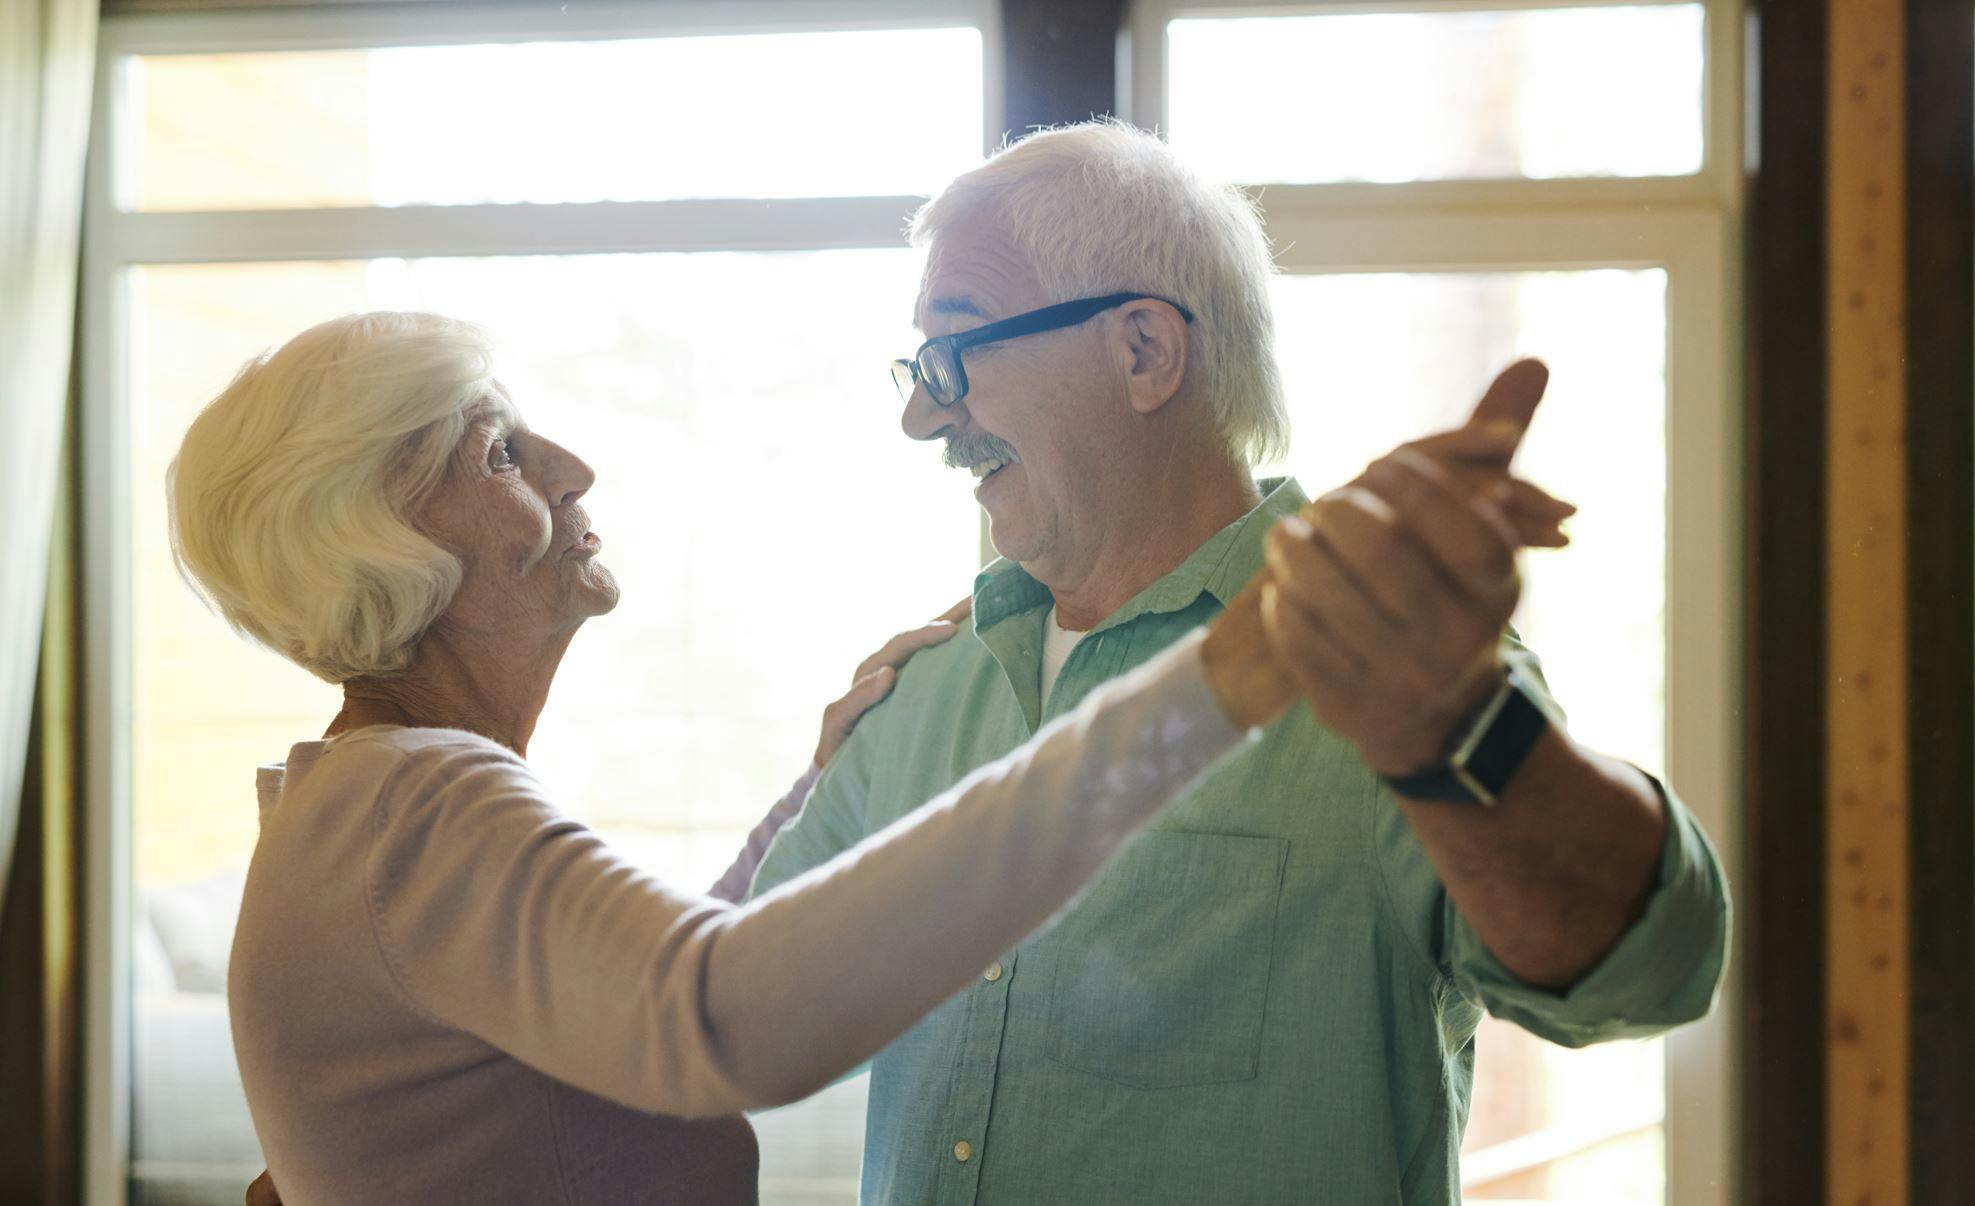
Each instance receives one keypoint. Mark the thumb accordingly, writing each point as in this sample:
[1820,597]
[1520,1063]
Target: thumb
[1511,401]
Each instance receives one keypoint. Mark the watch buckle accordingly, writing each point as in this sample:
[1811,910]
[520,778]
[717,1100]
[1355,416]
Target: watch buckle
[1457,765]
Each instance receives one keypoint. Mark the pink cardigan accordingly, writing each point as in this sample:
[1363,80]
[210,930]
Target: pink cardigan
[445,989]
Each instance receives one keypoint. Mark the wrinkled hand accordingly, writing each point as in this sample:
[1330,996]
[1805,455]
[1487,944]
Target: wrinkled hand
[1389,595]
[877,674]
[262,1192]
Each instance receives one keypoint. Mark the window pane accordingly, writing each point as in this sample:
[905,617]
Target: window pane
[1372,360]
[744,430]
[1434,96]
[636,120]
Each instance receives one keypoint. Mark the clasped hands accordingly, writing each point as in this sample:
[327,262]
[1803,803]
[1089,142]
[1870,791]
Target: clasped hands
[1385,600]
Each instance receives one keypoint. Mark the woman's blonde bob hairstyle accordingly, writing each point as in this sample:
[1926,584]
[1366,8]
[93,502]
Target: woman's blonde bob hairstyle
[289,498]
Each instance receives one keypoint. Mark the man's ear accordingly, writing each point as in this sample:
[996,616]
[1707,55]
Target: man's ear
[1154,354]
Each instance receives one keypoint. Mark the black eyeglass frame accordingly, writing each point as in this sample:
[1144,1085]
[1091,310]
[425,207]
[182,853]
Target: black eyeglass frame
[908,375]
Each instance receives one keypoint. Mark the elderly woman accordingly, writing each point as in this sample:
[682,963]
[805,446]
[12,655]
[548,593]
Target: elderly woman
[445,988]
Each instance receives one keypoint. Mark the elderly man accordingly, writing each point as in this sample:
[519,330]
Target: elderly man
[1273,996]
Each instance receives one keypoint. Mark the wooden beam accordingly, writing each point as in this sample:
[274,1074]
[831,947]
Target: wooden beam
[1866,858]
[1781,893]
[1061,61]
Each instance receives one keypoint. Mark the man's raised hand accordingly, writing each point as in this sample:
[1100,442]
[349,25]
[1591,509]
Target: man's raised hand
[1389,594]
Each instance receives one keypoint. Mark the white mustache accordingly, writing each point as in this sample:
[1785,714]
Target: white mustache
[964,452]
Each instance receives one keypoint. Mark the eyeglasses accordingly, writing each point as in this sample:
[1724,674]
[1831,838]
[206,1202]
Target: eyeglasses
[937,364]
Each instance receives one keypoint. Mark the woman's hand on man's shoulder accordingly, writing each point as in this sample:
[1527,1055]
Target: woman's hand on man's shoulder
[876,675]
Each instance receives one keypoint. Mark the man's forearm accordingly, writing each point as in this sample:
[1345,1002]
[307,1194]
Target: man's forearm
[1554,874]
[1385,601]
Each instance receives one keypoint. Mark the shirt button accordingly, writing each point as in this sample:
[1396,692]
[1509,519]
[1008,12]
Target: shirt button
[992,974]
[963,1151]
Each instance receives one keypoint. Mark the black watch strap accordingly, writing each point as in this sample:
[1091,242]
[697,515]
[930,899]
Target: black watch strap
[1487,755]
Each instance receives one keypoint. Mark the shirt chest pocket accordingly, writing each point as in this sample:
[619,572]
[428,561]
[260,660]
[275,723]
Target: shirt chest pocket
[1161,971]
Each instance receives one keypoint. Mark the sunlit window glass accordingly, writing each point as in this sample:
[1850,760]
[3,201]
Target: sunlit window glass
[1439,95]
[799,114]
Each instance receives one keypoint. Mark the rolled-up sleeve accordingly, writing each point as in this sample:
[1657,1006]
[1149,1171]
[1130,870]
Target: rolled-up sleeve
[1663,972]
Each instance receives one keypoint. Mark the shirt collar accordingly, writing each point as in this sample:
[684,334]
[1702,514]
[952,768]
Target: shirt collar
[1220,567]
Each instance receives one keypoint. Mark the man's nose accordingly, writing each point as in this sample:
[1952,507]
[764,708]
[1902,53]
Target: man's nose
[925,419]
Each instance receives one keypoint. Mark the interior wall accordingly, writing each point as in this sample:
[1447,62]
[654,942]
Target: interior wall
[1858,898]
[1940,556]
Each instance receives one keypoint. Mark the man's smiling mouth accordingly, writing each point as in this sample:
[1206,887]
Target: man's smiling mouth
[982,456]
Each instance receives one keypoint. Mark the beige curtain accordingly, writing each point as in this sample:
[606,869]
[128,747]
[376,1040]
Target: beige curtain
[47,59]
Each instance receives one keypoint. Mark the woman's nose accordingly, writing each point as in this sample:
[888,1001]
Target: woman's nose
[568,477]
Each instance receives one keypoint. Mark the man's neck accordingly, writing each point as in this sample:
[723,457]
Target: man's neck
[1155,533]
[459,683]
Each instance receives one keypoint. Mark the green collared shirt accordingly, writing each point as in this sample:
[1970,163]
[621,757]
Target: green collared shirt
[1266,998]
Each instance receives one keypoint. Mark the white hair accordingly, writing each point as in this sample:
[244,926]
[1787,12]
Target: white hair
[289,498]
[1101,207]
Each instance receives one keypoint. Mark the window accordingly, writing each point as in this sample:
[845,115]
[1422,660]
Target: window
[1441,95]
[556,122]
[578,192]
[1448,187]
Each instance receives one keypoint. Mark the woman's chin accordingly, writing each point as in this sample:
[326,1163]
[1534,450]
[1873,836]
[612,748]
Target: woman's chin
[598,594]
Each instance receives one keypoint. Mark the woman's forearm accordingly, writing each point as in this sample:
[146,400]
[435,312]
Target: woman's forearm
[502,916]
[818,975]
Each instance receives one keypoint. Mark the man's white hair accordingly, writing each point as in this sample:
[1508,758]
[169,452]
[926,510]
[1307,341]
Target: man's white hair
[289,498]
[1101,207]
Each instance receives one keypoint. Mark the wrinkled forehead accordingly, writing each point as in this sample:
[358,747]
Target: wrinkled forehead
[973,274]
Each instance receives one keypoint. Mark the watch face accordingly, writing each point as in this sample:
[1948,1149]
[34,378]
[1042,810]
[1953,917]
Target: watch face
[1489,753]
[1483,724]
[1498,753]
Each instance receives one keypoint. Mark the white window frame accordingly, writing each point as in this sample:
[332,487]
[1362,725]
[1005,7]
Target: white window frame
[1686,225]
[115,240]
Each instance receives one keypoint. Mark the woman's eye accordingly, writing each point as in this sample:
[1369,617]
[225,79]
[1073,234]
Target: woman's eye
[498,457]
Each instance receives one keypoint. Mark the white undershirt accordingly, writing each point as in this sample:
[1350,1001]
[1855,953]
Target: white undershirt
[1057,642]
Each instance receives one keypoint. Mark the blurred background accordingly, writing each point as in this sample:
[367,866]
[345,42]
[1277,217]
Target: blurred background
[683,223]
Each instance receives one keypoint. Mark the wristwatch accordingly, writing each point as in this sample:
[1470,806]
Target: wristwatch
[1486,755]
